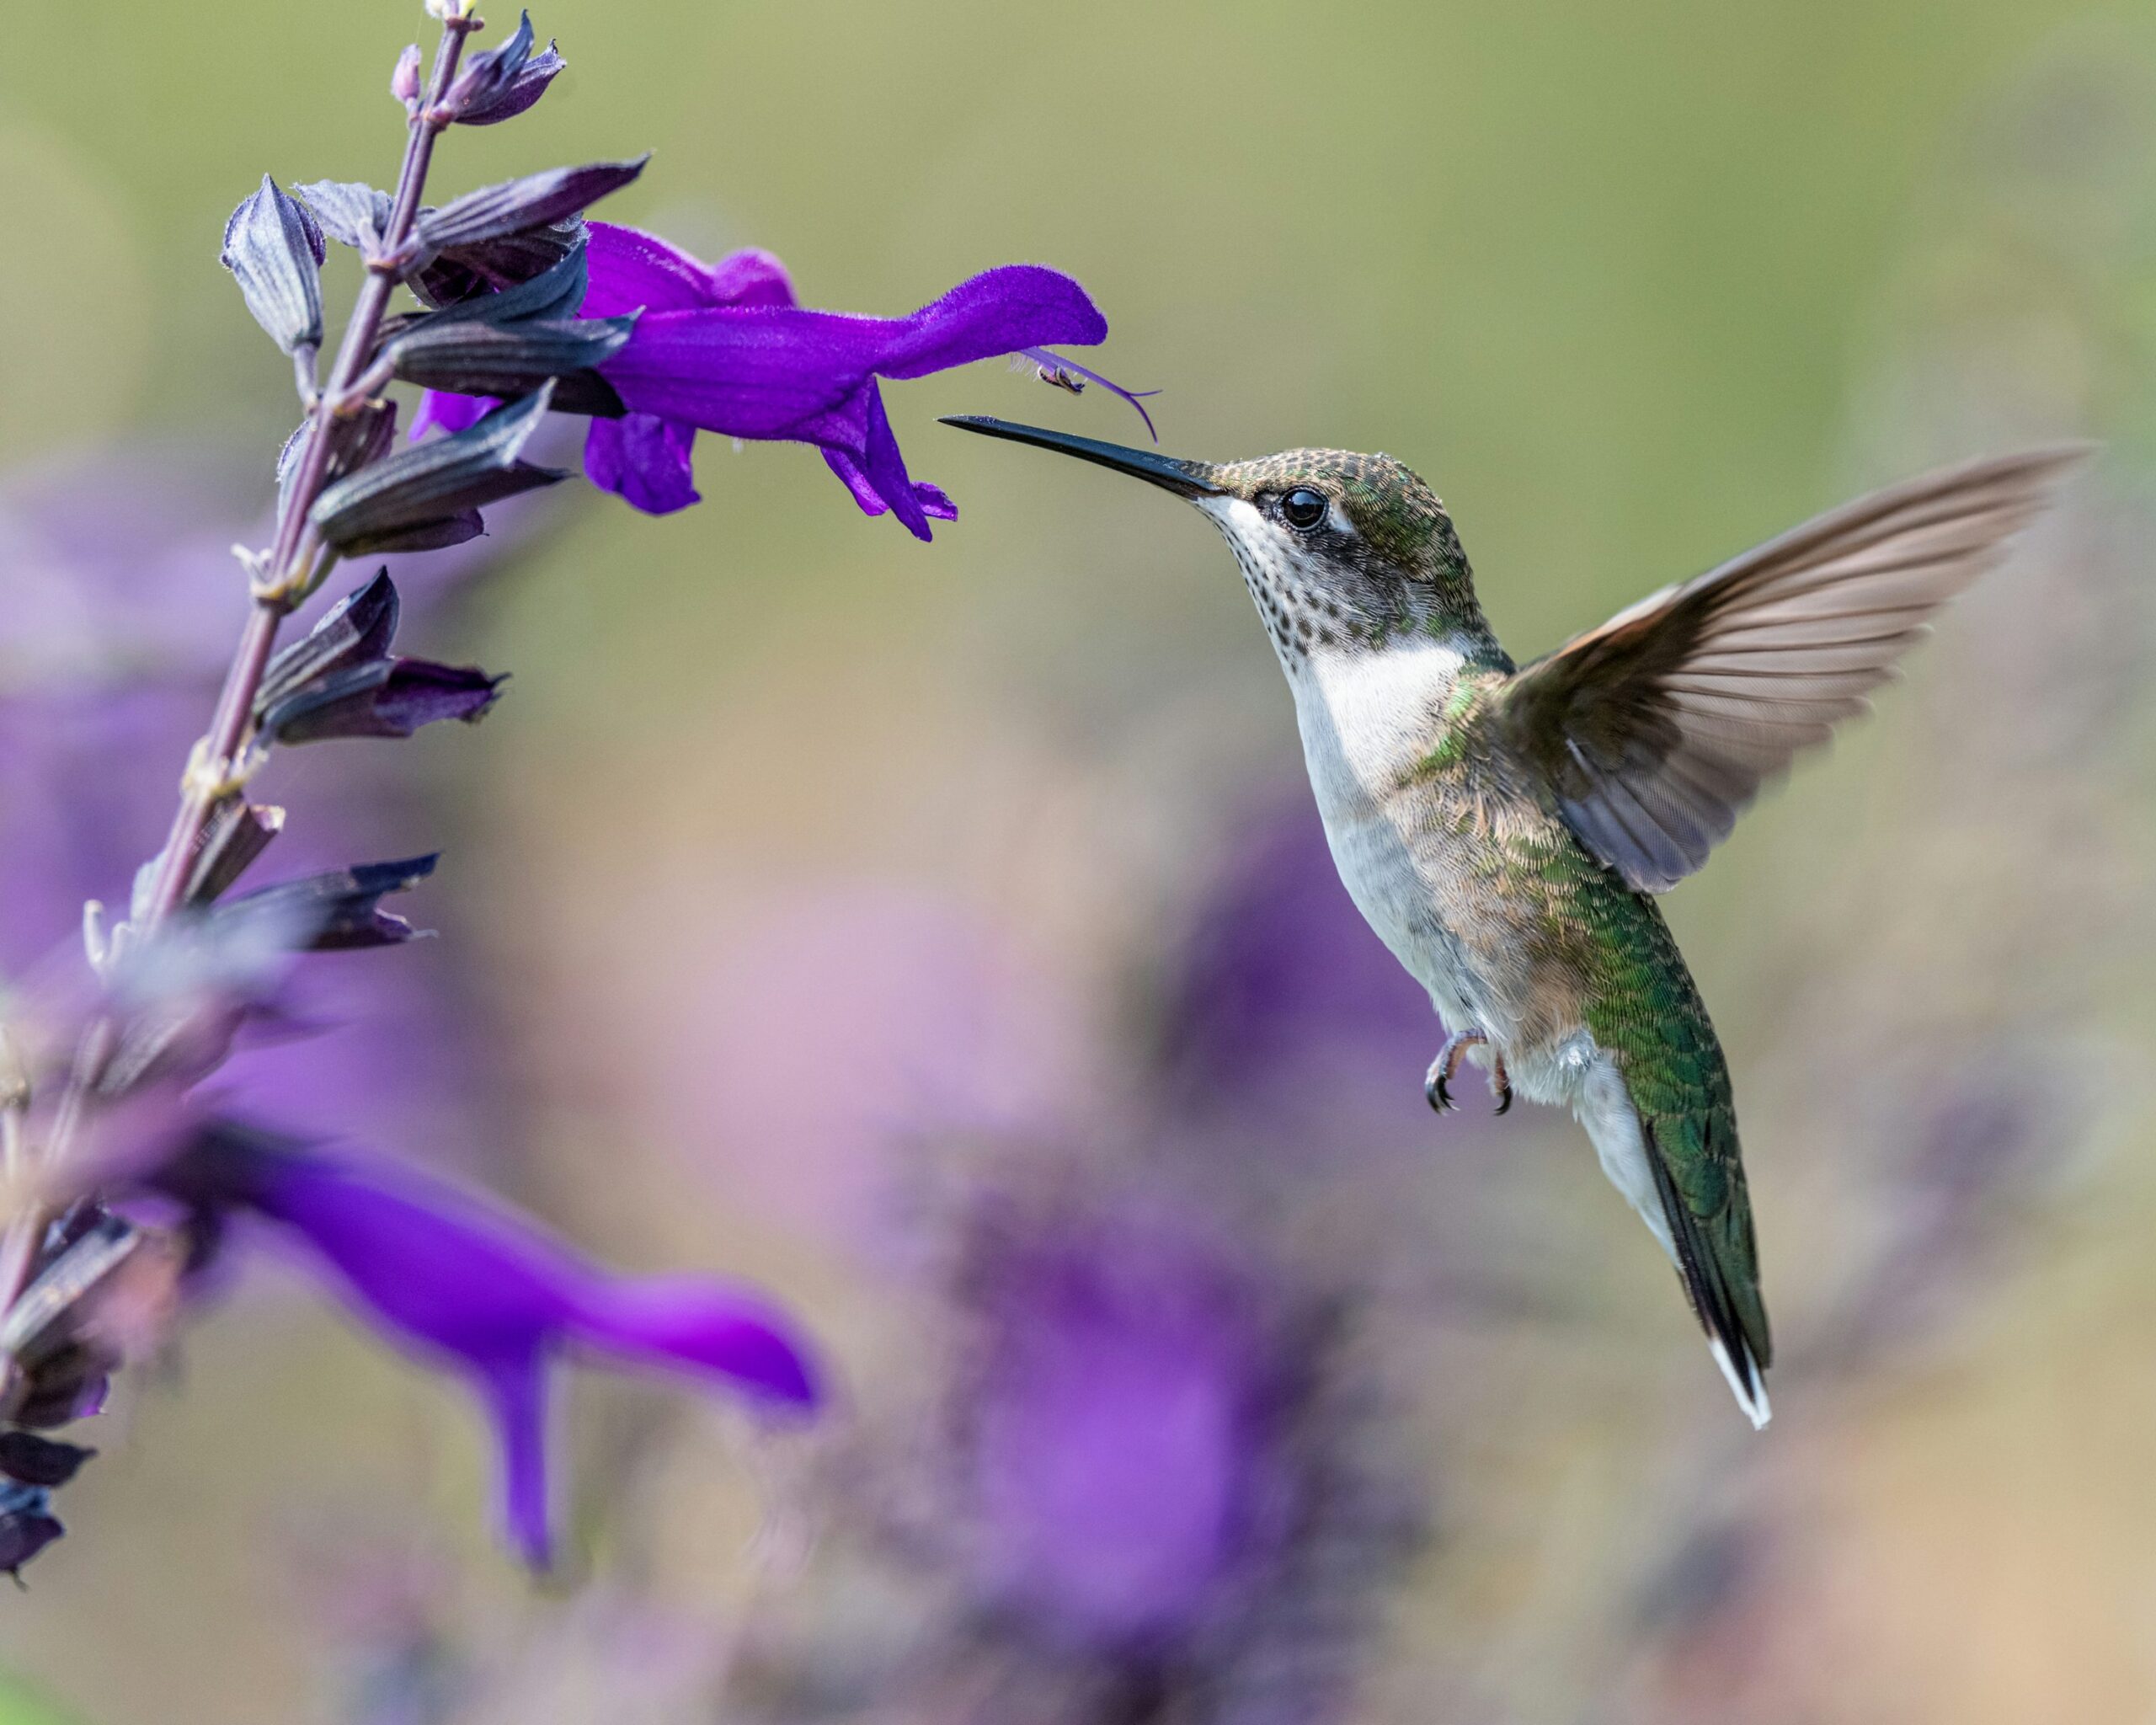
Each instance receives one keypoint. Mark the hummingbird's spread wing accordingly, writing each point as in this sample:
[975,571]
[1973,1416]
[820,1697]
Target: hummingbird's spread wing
[1656,730]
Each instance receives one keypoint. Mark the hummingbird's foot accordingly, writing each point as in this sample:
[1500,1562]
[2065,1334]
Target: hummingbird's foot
[1436,1083]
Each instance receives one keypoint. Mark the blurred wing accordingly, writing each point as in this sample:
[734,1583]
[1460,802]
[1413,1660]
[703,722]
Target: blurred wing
[1658,728]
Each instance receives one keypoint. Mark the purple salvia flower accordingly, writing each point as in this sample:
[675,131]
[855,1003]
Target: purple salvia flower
[1170,1472]
[493,1297]
[1282,1001]
[725,348]
[1120,1434]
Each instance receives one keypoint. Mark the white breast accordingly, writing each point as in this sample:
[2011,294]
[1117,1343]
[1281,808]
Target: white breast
[1364,718]
[1365,715]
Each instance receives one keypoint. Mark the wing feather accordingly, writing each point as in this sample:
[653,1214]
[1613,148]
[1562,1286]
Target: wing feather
[1656,730]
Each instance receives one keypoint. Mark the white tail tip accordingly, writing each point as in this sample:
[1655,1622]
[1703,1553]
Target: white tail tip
[1747,1386]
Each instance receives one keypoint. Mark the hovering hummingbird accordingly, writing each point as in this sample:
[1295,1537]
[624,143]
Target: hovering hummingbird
[1503,827]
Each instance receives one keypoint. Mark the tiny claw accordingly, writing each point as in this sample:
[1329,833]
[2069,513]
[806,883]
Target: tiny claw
[1436,1083]
[1434,1090]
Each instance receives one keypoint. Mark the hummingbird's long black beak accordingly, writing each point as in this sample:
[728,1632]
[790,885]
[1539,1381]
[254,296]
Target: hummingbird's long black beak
[1184,478]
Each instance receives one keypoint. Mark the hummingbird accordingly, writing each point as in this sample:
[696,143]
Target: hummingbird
[1505,829]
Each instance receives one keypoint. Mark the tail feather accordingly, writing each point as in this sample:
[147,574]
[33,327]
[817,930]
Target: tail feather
[1728,1309]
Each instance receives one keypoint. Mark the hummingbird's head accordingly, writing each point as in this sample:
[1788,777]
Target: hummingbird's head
[1344,553]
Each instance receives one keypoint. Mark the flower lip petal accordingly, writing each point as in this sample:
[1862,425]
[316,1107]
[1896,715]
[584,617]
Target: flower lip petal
[998,312]
[488,1293]
[691,1324]
[646,461]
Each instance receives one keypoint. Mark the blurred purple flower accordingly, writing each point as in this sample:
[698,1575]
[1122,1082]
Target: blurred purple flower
[1171,1478]
[491,1296]
[1282,990]
[27,1525]
[723,347]
[1120,1433]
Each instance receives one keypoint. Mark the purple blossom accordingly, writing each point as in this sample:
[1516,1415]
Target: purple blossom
[492,1296]
[1120,1434]
[723,347]
[27,1524]
[1172,1477]
[1283,999]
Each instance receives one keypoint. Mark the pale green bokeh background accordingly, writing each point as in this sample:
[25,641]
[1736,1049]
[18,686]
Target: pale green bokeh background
[1635,287]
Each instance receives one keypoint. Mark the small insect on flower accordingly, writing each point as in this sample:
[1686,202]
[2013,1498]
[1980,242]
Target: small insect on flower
[1060,377]
[1053,369]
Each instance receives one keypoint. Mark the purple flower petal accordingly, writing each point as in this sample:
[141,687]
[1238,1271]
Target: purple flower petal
[992,313]
[633,271]
[690,1324]
[491,1295]
[644,460]
[440,410]
[514,1392]
[935,502]
[751,276]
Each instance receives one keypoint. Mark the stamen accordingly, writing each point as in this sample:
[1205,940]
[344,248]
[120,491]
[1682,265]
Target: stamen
[1068,374]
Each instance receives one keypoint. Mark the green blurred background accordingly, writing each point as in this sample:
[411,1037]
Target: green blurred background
[1634,287]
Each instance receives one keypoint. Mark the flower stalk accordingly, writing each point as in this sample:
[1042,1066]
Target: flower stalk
[284,581]
[216,770]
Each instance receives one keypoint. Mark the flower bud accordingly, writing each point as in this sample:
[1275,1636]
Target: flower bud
[404,82]
[274,251]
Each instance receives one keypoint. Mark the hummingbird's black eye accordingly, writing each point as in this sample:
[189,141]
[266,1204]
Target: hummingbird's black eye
[1303,509]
